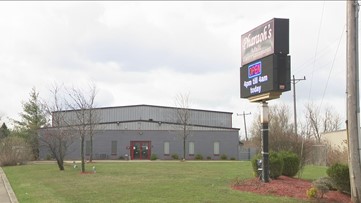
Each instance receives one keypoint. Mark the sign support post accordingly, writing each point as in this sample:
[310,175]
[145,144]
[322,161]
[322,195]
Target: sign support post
[265,153]
[265,72]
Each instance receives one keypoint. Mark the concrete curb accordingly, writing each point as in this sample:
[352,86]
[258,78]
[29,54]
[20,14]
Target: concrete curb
[8,187]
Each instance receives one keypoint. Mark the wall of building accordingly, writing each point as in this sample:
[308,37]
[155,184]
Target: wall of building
[337,139]
[157,125]
[203,144]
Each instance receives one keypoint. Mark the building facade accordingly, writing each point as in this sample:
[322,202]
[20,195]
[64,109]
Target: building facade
[337,139]
[137,132]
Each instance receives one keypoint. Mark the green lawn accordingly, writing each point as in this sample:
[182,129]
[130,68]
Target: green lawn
[139,182]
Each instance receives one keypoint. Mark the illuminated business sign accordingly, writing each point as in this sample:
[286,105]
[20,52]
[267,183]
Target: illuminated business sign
[269,38]
[255,69]
[269,74]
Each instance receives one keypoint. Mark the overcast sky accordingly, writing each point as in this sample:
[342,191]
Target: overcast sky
[147,52]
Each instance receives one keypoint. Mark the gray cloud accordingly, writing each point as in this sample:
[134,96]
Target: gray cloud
[146,52]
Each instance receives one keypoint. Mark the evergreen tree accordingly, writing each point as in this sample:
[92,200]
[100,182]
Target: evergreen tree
[4,131]
[33,118]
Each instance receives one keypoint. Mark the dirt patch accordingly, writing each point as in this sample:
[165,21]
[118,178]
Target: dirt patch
[290,187]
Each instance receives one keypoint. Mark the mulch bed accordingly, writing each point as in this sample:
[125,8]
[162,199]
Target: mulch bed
[290,187]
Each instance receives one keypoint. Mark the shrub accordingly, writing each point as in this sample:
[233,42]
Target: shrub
[275,165]
[254,164]
[209,158]
[291,163]
[153,157]
[323,185]
[224,157]
[232,158]
[198,157]
[312,193]
[14,151]
[339,173]
[175,156]
[326,181]
[49,157]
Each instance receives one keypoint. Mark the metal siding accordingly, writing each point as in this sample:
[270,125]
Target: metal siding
[152,126]
[157,114]
[142,129]
[102,143]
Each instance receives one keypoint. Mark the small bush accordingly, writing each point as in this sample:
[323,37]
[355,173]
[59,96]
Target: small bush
[323,185]
[311,193]
[275,165]
[291,163]
[232,158]
[198,157]
[339,173]
[327,181]
[14,151]
[224,157]
[209,158]
[49,157]
[254,164]
[153,157]
[175,156]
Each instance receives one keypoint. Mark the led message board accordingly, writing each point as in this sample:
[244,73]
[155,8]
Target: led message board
[269,74]
[269,38]
[255,69]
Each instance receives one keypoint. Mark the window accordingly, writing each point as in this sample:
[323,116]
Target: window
[166,148]
[191,148]
[114,147]
[87,147]
[216,148]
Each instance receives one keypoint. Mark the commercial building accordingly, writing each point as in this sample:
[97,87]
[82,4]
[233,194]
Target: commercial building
[139,131]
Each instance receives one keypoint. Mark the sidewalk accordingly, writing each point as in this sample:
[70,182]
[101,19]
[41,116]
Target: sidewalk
[7,194]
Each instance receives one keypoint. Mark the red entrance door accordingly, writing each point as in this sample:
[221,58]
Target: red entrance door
[140,150]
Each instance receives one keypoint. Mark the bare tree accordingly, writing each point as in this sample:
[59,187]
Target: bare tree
[320,122]
[281,134]
[280,129]
[58,137]
[83,116]
[313,120]
[332,121]
[183,116]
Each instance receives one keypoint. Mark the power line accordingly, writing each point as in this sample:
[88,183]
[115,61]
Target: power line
[333,62]
[318,39]
[308,62]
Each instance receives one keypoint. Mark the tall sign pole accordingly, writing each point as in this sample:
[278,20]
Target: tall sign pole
[265,72]
[265,151]
[353,107]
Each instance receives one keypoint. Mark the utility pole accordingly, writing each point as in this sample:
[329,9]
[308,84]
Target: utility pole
[353,104]
[244,121]
[294,81]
